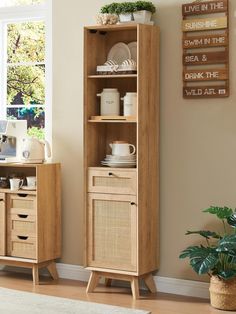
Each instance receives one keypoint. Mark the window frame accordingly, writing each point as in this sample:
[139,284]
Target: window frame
[26,13]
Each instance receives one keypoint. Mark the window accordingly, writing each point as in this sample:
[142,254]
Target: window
[26,74]
[9,3]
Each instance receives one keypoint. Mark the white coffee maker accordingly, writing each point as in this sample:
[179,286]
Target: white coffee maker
[12,133]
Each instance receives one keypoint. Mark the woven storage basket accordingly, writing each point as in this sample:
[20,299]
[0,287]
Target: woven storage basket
[223,293]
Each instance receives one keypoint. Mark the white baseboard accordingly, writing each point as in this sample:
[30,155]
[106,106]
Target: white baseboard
[164,284]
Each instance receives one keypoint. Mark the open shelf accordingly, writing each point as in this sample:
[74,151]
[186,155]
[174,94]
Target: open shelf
[115,76]
[112,119]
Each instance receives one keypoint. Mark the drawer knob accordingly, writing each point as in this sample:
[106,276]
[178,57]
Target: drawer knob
[110,174]
[132,203]
[22,216]
[1,200]
[22,237]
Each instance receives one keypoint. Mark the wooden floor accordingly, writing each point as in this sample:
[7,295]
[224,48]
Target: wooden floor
[158,303]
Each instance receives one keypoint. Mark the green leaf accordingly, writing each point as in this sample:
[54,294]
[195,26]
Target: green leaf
[205,234]
[202,259]
[228,244]
[220,212]
[232,220]
[227,274]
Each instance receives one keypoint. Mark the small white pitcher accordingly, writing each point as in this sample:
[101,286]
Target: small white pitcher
[120,148]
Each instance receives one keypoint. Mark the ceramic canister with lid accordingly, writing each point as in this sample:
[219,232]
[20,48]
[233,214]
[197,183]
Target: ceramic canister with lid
[130,104]
[110,102]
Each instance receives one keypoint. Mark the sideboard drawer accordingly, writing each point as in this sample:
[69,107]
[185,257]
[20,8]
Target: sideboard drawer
[22,224]
[22,246]
[22,202]
[114,181]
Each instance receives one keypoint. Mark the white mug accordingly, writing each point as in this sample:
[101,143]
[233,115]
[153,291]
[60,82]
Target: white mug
[16,183]
[31,181]
[120,148]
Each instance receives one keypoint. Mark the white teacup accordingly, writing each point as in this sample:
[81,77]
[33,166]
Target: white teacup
[16,183]
[31,181]
[120,148]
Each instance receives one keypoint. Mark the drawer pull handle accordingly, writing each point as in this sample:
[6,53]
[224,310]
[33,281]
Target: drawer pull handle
[22,216]
[22,237]
[110,174]
[22,195]
[132,203]
[1,200]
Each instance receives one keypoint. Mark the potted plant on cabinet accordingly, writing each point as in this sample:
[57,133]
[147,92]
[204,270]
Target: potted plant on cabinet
[217,258]
[143,11]
[124,10]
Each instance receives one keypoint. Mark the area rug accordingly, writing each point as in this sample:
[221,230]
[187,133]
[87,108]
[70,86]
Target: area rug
[19,302]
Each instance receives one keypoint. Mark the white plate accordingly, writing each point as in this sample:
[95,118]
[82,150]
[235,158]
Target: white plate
[119,53]
[133,50]
[28,188]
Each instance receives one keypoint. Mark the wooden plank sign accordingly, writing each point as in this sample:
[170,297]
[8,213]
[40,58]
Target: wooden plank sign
[205,75]
[205,7]
[205,91]
[193,25]
[205,41]
[205,58]
[205,28]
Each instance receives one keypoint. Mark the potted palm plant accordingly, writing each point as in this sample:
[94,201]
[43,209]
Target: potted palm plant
[217,258]
[143,11]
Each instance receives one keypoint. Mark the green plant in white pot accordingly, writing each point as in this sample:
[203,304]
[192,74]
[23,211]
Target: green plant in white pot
[217,258]
[143,11]
[124,10]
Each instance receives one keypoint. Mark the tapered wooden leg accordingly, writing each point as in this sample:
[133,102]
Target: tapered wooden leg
[108,282]
[53,270]
[93,282]
[35,273]
[150,283]
[135,287]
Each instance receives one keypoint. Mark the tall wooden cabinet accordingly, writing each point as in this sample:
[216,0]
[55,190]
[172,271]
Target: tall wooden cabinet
[30,220]
[121,204]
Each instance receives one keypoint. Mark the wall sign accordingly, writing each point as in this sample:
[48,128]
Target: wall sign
[204,75]
[205,58]
[209,47]
[194,25]
[206,91]
[205,41]
[205,7]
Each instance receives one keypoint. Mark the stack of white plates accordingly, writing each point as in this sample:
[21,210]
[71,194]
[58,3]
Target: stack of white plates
[119,161]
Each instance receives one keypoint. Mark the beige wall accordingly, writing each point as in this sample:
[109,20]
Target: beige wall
[198,137]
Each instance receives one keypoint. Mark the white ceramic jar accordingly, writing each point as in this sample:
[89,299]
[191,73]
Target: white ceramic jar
[110,102]
[130,104]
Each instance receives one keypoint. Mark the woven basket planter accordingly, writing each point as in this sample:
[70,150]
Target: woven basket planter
[223,293]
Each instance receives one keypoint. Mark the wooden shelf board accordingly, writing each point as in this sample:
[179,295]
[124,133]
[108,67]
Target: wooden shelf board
[116,119]
[112,76]
[18,191]
[5,259]
[116,27]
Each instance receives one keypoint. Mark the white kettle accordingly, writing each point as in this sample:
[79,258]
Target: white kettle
[34,150]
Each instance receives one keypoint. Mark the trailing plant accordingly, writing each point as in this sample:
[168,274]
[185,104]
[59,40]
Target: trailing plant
[128,7]
[218,256]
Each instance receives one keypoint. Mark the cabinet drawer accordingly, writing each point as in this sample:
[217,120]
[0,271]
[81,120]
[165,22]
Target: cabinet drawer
[22,202]
[22,246]
[112,181]
[22,224]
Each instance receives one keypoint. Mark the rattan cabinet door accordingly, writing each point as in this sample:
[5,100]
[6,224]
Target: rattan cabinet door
[112,231]
[2,224]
